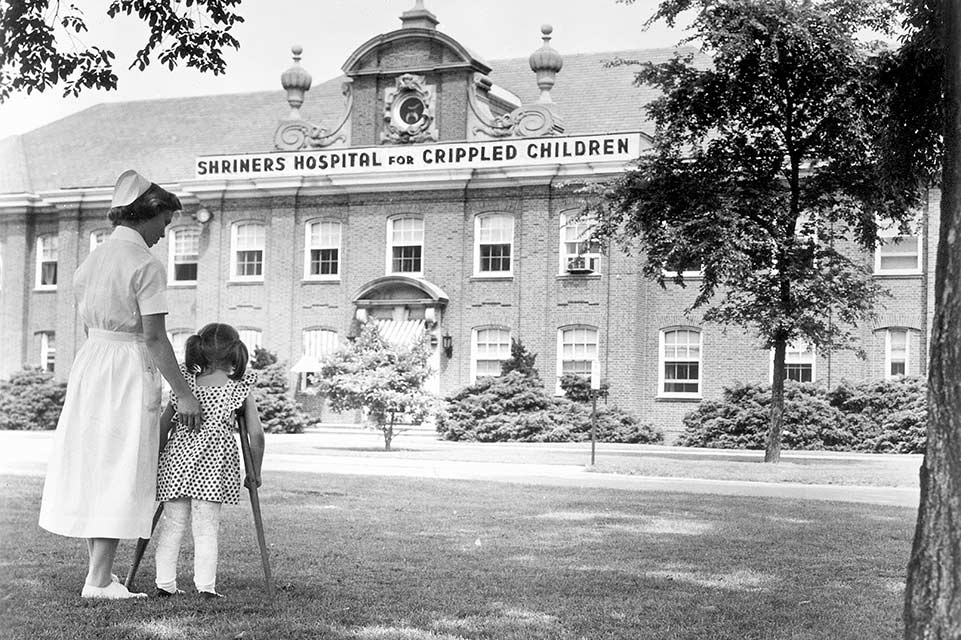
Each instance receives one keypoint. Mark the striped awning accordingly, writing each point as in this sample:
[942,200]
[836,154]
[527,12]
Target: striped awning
[400,333]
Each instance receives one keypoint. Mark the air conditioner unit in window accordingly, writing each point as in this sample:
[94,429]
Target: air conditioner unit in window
[580,264]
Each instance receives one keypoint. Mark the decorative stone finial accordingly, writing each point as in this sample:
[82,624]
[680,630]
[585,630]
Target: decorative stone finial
[296,81]
[545,63]
[418,18]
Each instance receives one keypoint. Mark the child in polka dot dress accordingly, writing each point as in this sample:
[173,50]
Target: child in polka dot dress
[200,469]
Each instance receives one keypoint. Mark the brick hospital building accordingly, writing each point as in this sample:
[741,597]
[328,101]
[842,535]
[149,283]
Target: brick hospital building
[425,189]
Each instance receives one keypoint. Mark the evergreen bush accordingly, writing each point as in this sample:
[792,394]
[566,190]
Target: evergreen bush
[885,416]
[515,407]
[31,400]
[279,412]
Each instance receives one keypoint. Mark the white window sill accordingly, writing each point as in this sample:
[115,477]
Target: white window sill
[679,397]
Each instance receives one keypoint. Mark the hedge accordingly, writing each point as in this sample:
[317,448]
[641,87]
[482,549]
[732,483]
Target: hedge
[31,400]
[886,416]
[515,407]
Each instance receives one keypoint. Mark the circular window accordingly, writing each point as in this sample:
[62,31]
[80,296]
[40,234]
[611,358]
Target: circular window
[410,111]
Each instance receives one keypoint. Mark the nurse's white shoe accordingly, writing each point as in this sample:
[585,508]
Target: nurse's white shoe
[113,591]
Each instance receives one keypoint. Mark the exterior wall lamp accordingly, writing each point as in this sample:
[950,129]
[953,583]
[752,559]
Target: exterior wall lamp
[447,343]
[203,215]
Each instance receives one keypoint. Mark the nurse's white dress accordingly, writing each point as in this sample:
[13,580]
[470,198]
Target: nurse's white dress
[102,474]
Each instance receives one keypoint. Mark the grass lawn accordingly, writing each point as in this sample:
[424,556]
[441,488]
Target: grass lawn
[375,558]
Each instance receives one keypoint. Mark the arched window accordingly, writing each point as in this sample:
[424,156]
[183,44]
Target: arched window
[490,347]
[577,351]
[252,338]
[679,353]
[897,350]
[493,244]
[405,237]
[247,242]
[178,340]
[318,344]
[322,250]
[48,350]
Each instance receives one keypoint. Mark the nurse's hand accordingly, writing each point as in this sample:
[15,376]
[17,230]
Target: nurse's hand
[188,409]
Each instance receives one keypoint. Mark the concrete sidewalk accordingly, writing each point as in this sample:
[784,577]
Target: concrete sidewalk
[25,453]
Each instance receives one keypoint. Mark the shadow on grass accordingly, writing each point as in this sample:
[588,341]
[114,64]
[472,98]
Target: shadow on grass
[371,558]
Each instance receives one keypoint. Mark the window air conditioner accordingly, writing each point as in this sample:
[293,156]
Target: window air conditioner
[580,264]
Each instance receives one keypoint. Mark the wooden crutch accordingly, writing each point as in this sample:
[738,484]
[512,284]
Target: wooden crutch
[141,548]
[254,498]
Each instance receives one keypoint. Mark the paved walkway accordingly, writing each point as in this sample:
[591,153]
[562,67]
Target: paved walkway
[330,452]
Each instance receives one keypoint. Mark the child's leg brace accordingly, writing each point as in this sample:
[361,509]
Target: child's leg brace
[171,530]
[206,521]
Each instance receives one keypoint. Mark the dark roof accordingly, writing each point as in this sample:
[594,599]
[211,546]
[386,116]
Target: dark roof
[162,137]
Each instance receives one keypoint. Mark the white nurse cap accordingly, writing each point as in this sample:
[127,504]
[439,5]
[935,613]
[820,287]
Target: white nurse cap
[130,186]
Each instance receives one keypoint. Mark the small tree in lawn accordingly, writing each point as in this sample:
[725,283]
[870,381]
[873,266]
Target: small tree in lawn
[387,382]
[764,171]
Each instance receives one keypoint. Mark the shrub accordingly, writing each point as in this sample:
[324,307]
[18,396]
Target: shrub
[578,388]
[31,400]
[887,416]
[279,413]
[515,407]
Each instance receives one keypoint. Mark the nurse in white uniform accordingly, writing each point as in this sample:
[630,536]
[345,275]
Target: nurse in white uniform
[102,474]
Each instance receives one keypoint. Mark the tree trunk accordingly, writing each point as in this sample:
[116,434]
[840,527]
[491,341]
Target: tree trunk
[932,602]
[772,452]
[388,433]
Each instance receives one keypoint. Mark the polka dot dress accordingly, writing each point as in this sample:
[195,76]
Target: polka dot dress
[205,464]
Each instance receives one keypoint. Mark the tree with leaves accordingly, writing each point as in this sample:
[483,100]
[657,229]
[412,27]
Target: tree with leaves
[923,137]
[386,381]
[762,171]
[34,54]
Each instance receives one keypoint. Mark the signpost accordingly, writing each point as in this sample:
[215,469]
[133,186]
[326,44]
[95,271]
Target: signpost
[595,389]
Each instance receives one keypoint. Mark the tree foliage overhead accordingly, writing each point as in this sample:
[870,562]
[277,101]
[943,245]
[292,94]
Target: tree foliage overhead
[765,169]
[41,42]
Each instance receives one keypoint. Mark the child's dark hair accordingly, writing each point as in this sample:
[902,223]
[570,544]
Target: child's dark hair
[151,202]
[217,346]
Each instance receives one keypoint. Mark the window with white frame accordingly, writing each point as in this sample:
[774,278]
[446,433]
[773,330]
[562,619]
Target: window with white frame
[490,348]
[47,261]
[48,350]
[318,343]
[896,350]
[493,244]
[578,253]
[406,238]
[178,340]
[252,338]
[688,267]
[184,253]
[247,241]
[322,250]
[897,253]
[679,374]
[799,362]
[98,237]
[577,351]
